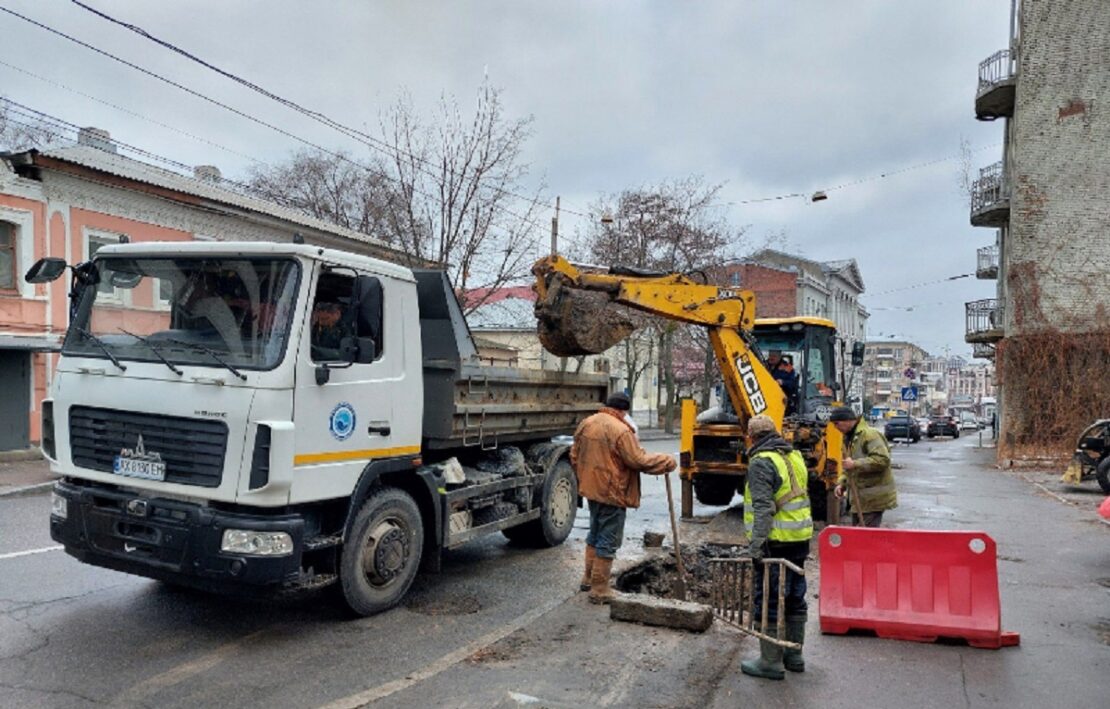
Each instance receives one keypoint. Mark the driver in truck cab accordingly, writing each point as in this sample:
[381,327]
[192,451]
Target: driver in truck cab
[608,459]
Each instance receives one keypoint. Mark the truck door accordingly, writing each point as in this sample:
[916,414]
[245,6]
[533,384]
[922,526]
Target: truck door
[350,378]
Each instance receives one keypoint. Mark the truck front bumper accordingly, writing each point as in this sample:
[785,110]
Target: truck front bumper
[171,540]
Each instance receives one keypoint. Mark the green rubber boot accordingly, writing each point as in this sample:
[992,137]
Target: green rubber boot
[795,633]
[769,663]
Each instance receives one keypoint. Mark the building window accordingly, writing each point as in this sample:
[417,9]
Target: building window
[107,293]
[734,279]
[8,265]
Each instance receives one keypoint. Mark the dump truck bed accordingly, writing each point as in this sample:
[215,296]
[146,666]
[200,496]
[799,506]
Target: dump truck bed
[467,404]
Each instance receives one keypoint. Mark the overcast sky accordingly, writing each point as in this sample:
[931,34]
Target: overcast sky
[768,98]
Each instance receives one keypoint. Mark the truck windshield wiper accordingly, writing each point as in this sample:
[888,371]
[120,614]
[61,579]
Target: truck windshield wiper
[103,347]
[154,349]
[211,353]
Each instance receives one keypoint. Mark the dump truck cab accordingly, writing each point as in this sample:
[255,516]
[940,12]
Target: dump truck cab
[265,417]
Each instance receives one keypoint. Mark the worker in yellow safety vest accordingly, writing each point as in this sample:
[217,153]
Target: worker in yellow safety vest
[779,525]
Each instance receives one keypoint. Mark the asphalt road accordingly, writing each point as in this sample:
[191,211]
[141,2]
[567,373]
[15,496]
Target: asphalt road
[503,626]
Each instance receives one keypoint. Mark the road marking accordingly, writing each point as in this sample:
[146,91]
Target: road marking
[136,695]
[384,690]
[29,552]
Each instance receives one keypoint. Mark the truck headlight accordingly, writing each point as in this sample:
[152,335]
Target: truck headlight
[252,543]
[59,506]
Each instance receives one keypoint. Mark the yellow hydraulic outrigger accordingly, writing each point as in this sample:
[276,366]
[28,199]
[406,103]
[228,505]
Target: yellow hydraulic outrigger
[713,452]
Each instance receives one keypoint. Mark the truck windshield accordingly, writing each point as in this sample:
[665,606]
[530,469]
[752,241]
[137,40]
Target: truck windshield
[213,312]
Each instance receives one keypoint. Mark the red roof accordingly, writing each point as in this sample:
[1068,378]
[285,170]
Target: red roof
[488,296]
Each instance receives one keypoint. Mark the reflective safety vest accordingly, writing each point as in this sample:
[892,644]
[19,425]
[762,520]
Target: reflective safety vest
[793,521]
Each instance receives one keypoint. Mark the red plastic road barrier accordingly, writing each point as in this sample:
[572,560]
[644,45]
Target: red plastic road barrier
[911,585]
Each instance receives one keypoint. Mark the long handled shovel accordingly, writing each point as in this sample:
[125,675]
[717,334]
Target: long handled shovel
[679,588]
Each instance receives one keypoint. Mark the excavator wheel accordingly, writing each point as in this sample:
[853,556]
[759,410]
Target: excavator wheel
[1102,474]
[715,490]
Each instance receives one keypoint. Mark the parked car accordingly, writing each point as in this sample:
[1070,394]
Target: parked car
[923,425]
[902,427]
[943,426]
[968,422]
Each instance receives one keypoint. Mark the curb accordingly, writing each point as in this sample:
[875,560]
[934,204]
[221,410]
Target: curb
[27,490]
[21,456]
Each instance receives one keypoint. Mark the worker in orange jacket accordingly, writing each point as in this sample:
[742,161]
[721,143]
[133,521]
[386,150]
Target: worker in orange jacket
[608,458]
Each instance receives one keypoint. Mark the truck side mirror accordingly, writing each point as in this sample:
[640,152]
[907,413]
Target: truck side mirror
[857,354]
[45,270]
[367,350]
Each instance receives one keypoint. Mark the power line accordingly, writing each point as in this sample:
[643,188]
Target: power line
[862,180]
[919,285]
[353,133]
[242,114]
[129,112]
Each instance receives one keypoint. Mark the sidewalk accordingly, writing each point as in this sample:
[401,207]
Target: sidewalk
[24,476]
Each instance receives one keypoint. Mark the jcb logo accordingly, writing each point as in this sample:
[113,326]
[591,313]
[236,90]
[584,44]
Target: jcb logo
[751,384]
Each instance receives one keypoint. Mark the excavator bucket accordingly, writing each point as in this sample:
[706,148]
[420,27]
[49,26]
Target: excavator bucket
[573,322]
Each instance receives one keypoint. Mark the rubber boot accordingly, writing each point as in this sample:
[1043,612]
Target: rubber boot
[591,554]
[769,663]
[600,592]
[795,633]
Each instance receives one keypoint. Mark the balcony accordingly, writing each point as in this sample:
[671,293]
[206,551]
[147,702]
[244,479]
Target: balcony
[990,197]
[982,350]
[986,266]
[984,321]
[997,85]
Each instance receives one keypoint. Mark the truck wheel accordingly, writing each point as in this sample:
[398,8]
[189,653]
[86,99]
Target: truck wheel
[1102,474]
[382,552]
[558,510]
[715,490]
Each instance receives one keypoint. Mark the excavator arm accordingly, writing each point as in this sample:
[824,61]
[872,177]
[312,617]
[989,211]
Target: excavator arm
[571,324]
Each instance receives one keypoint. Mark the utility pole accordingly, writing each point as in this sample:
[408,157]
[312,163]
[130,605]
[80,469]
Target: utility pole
[555,229]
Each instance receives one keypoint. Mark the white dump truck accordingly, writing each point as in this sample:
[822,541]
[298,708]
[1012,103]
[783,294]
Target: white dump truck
[281,417]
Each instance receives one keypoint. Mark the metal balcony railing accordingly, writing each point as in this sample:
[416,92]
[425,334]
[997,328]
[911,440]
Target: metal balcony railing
[990,196]
[984,321]
[996,69]
[986,265]
[997,90]
[982,350]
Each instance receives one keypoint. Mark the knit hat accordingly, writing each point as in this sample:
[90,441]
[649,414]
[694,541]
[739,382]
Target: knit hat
[843,413]
[761,425]
[619,401]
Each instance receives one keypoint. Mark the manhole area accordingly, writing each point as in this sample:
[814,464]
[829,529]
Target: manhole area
[1102,628]
[427,604]
[656,575]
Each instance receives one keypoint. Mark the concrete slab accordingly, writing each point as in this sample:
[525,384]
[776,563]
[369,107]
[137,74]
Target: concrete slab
[665,612]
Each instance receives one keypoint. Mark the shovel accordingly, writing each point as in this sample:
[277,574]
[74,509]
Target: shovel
[679,588]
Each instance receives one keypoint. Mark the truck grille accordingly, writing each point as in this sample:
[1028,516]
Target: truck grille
[192,449]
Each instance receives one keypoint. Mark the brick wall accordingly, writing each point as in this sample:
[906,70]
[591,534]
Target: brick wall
[775,290]
[1054,283]
[1058,247]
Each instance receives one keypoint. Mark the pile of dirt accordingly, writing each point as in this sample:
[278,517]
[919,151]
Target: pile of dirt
[573,323]
[656,575]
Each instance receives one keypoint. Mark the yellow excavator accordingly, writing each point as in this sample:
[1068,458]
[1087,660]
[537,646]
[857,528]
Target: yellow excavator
[582,311]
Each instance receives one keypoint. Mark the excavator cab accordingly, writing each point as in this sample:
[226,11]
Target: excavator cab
[807,366]
[799,352]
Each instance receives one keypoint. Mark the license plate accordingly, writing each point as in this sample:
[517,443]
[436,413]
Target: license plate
[139,468]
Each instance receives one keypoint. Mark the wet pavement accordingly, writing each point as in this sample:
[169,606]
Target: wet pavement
[503,626]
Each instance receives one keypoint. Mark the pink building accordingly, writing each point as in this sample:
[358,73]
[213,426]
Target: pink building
[70,201]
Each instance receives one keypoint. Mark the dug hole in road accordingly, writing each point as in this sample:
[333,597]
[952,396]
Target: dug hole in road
[505,626]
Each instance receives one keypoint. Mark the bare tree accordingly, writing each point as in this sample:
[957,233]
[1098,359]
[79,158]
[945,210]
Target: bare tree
[448,191]
[459,199]
[332,187]
[676,226]
[965,178]
[18,132]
